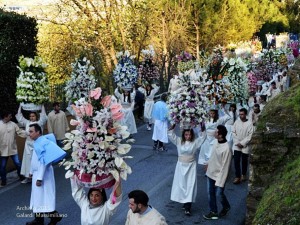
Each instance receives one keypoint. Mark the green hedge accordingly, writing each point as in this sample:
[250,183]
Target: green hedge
[18,36]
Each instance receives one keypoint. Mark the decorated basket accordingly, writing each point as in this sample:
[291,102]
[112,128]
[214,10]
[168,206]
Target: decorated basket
[103,181]
[31,107]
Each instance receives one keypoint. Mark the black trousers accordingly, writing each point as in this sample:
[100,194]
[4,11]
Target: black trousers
[238,155]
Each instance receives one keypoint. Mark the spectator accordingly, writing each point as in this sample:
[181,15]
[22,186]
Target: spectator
[140,213]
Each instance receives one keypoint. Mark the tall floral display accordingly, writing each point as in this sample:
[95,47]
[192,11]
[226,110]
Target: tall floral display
[81,81]
[187,105]
[216,87]
[237,79]
[32,83]
[98,144]
[148,69]
[125,74]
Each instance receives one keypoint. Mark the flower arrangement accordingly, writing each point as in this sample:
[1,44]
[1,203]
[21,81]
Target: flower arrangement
[215,67]
[252,81]
[97,143]
[148,70]
[81,81]
[185,62]
[237,78]
[188,104]
[125,73]
[32,83]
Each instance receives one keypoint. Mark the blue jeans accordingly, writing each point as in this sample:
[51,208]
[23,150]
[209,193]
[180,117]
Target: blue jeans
[215,192]
[3,160]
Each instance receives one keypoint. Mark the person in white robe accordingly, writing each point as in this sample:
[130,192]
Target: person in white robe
[273,91]
[46,152]
[160,131]
[242,131]
[149,93]
[28,149]
[233,116]
[173,85]
[217,173]
[184,187]
[8,145]
[95,208]
[57,123]
[140,213]
[126,99]
[210,128]
[254,115]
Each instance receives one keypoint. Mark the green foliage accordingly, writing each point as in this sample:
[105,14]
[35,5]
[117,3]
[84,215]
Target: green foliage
[17,37]
[281,201]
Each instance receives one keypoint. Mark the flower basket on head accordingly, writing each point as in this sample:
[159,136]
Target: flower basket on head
[82,80]
[98,143]
[32,83]
[30,107]
[148,69]
[185,62]
[95,181]
[187,105]
[125,72]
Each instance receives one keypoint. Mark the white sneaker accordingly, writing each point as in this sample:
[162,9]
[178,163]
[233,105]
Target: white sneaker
[26,180]
[148,128]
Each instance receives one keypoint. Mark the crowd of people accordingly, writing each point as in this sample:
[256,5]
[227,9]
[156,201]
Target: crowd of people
[224,136]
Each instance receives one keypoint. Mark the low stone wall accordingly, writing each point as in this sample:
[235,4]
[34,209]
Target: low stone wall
[270,152]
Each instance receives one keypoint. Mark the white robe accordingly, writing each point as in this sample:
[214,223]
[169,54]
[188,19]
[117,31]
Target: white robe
[128,119]
[149,102]
[242,133]
[28,148]
[151,218]
[184,187]
[93,216]
[43,197]
[207,145]
[160,131]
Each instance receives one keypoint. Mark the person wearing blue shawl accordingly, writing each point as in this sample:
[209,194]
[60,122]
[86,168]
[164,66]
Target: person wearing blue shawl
[160,116]
[46,152]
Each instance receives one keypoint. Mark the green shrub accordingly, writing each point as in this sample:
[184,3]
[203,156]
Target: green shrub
[17,37]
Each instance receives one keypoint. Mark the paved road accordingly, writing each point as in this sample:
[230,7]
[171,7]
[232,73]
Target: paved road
[152,172]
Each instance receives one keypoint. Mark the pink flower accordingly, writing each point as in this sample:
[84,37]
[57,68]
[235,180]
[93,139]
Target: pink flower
[74,122]
[91,129]
[96,93]
[106,101]
[117,116]
[77,110]
[115,108]
[88,109]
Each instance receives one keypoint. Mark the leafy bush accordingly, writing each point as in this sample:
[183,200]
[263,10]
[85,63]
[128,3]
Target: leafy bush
[17,37]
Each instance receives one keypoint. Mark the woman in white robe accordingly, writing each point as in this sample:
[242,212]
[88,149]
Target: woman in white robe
[184,187]
[149,93]
[28,149]
[96,211]
[126,99]
[210,128]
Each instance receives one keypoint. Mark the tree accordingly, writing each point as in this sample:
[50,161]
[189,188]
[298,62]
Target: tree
[17,37]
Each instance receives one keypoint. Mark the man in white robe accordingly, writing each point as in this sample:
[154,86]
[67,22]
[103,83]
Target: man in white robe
[8,144]
[140,213]
[242,133]
[57,123]
[217,173]
[42,200]
[272,91]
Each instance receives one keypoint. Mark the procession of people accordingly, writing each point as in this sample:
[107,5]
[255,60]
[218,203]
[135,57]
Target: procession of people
[198,114]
